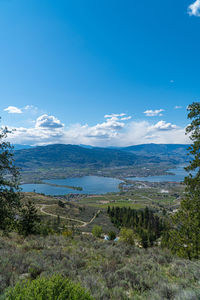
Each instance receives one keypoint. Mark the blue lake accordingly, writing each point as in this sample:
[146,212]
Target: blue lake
[90,185]
[96,184]
[179,175]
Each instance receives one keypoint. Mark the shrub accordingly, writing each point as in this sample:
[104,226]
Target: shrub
[97,231]
[67,233]
[55,287]
[111,235]
[127,236]
[61,204]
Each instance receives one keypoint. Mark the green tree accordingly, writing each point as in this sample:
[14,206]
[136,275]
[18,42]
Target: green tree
[9,189]
[28,220]
[193,182]
[144,239]
[61,204]
[184,238]
[111,235]
[97,231]
[127,236]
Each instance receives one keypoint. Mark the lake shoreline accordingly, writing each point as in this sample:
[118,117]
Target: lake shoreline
[98,184]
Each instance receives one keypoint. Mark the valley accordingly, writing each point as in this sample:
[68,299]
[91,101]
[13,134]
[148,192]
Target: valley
[64,161]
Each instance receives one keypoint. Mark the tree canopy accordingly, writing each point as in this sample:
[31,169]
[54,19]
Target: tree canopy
[9,188]
[13,213]
[184,238]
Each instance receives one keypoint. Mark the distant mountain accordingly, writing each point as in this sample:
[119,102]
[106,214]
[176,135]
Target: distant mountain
[86,146]
[166,152]
[52,158]
[59,155]
[19,147]
[150,149]
[61,161]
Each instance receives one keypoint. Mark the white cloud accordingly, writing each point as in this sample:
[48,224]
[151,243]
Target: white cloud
[30,108]
[162,125]
[112,132]
[143,133]
[194,9]
[26,109]
[13,110]
[153,113]
[177,107]
[114,115]
[126,118]
[47,122]
[47,130]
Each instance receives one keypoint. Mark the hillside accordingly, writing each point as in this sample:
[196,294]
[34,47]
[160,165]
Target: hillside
[77,156]
[162,151]
[59,155]
[108,270]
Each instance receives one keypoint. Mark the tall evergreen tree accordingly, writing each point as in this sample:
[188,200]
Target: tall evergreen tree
[29,220]
[9,189]
[184,238]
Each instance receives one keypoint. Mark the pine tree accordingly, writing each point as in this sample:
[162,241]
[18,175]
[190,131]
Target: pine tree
[29,220]
[9,189]
[184,238]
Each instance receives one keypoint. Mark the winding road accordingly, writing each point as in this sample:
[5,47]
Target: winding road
[83,224]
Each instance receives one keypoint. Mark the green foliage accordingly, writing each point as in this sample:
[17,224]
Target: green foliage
[55,287]
[67,233]
[127,236]
[108,270]
[193,182]
[61,203]
[184,237]
[28,219]
[45,229]
[111,235]
[97,231]
[145,224]
[9,189]
[144,240]
[34,271]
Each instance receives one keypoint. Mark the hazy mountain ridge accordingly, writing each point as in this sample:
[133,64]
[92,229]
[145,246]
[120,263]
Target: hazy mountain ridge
[20,147]
[59,155]
[72,156]
[158,149]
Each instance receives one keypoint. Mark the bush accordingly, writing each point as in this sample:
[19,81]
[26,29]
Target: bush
[55,287]
[97,231]
[127,236]
[111,235]
[67,233]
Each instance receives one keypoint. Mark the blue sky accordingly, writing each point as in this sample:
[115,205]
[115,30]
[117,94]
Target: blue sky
[65,65]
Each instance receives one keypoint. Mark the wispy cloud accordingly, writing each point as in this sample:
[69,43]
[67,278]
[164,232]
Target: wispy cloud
[153,113]
[116,116]
[178,107]
[13,110]
[194,9]
[30,108]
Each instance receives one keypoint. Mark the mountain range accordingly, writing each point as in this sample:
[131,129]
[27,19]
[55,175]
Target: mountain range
[60,155]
